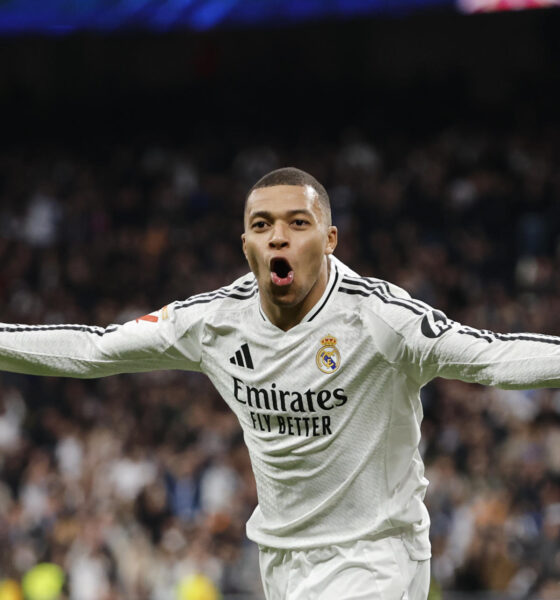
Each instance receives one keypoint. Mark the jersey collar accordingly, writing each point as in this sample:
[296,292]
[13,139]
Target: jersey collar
[329,289]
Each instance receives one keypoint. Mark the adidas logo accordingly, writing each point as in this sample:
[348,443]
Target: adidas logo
[242,357]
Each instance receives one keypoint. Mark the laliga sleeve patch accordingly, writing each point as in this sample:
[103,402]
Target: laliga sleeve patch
[435,323]
[149,318]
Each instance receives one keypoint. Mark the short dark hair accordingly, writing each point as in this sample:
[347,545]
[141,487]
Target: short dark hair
[293,176]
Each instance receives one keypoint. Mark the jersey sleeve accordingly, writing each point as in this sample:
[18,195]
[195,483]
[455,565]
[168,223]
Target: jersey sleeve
[165,339]
[426,344]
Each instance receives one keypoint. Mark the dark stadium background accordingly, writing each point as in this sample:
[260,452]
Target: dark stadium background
[438,137]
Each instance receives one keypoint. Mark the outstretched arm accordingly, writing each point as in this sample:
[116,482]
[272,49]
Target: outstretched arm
[513,360]
[155,341]
[426,344]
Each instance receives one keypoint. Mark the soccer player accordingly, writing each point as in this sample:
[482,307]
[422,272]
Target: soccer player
[323,369]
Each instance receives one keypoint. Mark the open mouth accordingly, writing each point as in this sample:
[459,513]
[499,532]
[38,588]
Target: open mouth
[281,272]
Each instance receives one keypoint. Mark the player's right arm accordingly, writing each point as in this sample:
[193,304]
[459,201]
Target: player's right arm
[164,339]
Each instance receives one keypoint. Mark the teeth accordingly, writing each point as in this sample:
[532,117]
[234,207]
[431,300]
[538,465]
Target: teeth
[282,281]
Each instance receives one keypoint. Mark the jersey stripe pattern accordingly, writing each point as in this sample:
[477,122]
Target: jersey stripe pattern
[100,331]
[238,292]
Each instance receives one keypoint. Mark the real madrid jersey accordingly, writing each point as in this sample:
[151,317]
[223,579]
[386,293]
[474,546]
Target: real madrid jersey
[330,409]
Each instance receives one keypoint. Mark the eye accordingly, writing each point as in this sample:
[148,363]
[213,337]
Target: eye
[300,222]
[258,225]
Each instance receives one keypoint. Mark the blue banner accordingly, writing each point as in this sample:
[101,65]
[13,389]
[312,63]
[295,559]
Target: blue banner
[65,16]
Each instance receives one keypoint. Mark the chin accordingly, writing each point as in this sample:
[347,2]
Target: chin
[282,297]
[285,299]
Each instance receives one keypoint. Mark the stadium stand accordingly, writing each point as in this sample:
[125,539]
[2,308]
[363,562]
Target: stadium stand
[131,482]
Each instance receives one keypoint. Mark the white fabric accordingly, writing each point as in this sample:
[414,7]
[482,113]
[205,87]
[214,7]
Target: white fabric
[364,570]
[335,453]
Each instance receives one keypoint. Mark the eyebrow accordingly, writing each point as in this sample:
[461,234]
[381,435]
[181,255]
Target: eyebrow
[265,214]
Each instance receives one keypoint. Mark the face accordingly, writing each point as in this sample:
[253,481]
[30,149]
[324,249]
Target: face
[286,242]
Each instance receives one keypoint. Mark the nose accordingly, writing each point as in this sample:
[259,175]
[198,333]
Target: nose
[278,238]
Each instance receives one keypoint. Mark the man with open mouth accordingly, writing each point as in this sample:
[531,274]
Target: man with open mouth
[288,237]
[323,368]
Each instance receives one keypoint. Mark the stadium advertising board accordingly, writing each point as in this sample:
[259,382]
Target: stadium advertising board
[474,6]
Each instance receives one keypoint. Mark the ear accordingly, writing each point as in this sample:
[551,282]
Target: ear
[332,239]
[244,245]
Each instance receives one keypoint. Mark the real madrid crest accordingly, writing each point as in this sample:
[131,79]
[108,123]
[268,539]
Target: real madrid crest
[328,356]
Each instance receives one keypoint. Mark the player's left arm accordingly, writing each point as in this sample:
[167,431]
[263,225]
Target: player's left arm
[445,348]
[425,343]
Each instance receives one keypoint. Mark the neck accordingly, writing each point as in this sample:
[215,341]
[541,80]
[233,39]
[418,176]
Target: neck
[287,316]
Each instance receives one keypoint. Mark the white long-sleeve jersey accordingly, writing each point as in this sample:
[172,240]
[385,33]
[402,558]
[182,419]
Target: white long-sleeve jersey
[330,409]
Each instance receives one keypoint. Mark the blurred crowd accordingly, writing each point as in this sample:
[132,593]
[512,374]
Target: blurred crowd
[133,483]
